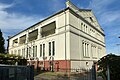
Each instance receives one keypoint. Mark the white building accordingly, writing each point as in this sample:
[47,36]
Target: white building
[71,38]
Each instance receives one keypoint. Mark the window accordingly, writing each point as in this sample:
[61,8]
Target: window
[88,50]
[94,51]
[34,51]
[81,26]
[22,39]
[19,51]
[49,48]
[99,52]
[33,35]
[15,42]
[11,52]
[15,51]
[41,50]
[53,47]
[23,52]
[27,53]
[85,47]
[86,29]
[91,19]
[48,29]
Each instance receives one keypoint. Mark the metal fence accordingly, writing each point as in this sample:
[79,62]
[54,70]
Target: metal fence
[72,74]
[8,72]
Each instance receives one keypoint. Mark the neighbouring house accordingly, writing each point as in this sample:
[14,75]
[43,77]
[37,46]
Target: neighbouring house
[71,38]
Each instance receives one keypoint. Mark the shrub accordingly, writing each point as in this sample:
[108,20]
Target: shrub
[11,59]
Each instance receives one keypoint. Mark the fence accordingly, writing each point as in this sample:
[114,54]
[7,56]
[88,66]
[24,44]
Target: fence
[16,72]
[72,74]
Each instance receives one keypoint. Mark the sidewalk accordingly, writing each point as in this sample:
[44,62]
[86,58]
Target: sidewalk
[99,78]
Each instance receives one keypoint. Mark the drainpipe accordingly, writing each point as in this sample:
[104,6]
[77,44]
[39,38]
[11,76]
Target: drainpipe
[65,43]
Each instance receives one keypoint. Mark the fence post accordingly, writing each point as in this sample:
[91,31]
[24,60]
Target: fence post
[15,72]
[94,72]
[31,72]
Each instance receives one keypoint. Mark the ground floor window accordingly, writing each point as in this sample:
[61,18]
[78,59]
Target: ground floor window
[40,50]
[53,48]
[43,50]
[85,48]
[34,51]
[94,51]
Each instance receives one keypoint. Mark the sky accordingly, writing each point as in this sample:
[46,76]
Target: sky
[17,15]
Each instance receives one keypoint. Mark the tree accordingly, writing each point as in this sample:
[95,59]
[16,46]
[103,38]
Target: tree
[114,64]
[2,42]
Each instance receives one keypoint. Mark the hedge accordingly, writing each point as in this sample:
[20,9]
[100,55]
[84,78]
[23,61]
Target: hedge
[11,59]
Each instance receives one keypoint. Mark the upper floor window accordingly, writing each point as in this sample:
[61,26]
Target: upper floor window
[15,42]
[48,29]
[22,39]
[12,52]
[91,19]
[33,35]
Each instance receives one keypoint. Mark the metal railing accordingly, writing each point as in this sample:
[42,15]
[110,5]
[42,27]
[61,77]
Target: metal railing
[72,74]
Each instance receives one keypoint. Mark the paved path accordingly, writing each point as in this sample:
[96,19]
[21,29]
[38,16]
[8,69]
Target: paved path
[99,78]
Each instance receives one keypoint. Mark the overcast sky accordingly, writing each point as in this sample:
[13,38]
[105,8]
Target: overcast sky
[17,15]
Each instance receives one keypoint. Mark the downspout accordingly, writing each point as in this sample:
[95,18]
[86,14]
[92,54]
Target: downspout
[65,43]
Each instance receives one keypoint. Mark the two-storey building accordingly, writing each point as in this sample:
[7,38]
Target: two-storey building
[71,38]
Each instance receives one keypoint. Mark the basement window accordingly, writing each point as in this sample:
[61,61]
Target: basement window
[48,29]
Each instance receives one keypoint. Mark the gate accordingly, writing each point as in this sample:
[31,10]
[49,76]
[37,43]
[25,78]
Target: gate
[8,72]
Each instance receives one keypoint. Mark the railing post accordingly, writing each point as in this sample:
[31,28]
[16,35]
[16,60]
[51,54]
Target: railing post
[31,72]
[94,72]
[15,72]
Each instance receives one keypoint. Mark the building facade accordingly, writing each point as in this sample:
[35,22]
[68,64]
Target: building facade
[71,38]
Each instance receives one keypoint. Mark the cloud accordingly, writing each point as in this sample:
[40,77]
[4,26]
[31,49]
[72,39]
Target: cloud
[105,13]
[5,6]
[100,6]
[12,23]
[108,16]
[15,20]
[56,5]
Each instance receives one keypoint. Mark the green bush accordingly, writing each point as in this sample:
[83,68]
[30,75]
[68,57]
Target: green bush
[11,59]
